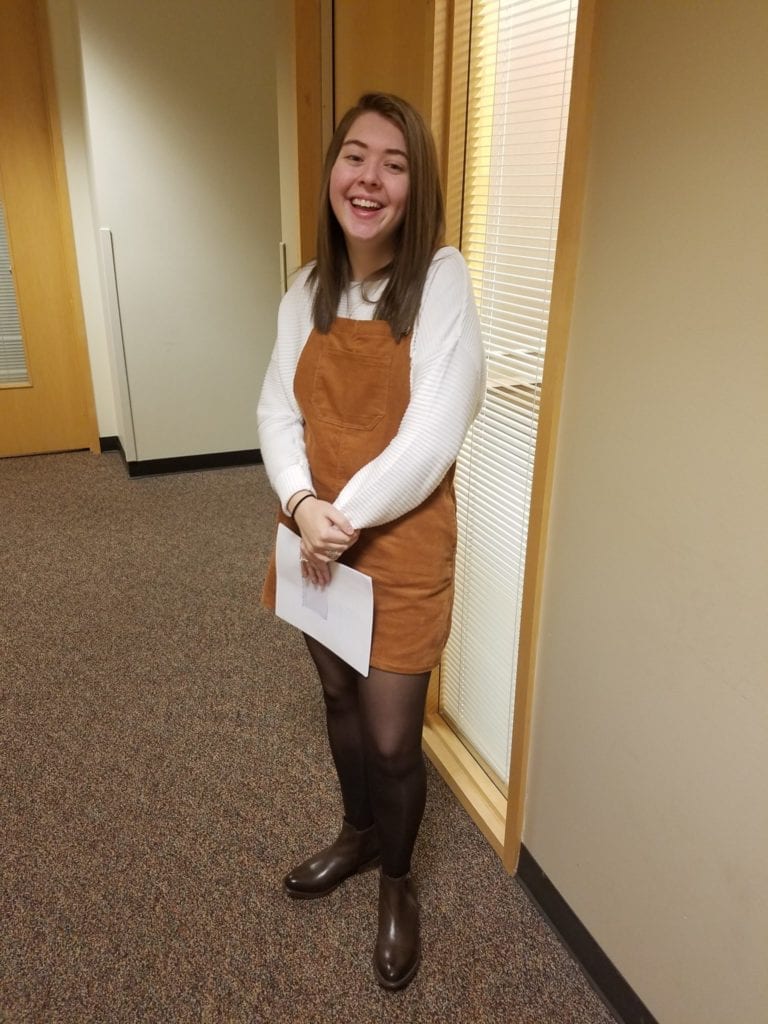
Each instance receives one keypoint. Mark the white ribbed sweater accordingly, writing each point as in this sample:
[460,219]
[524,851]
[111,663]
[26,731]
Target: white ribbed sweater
[447,382]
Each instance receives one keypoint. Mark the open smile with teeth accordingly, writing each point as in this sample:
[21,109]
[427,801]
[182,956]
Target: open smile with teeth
[366,204]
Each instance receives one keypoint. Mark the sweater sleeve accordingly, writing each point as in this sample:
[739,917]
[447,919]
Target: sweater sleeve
[280,420]
[447,385]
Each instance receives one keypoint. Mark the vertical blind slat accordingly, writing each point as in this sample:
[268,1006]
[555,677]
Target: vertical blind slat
[13,367]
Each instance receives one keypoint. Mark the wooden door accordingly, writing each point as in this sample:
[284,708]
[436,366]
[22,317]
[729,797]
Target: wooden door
[347,47]
[387,47]
[53,410]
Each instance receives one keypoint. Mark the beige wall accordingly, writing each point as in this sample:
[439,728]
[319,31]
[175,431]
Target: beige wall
[647,798]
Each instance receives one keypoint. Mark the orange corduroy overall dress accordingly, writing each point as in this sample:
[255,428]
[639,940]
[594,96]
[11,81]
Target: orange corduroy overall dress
[353,387]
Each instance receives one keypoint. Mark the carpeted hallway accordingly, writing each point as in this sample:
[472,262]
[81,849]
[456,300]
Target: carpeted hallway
[163,762]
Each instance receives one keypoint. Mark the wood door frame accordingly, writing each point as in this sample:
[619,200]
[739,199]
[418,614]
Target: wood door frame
[314,109]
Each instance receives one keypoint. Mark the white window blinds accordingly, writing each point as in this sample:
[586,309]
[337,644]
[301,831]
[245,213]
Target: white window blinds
[13,368]
[521,61]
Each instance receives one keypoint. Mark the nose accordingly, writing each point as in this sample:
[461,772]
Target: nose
[369,174]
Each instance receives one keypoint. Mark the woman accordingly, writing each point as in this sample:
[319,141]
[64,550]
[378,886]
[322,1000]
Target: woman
[375,377]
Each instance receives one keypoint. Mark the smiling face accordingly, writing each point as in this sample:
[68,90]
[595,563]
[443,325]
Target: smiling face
[368,191]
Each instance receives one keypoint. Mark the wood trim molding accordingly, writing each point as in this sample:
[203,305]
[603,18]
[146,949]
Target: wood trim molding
[561,306]
[454,141]
[311,113]
[477,794]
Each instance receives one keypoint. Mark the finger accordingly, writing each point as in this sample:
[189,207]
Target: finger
[339,520]
[316,569]
[319,575]
[335,540]
[311,553]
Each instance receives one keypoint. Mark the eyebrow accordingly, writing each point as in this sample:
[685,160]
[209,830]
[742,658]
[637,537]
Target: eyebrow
[357,142]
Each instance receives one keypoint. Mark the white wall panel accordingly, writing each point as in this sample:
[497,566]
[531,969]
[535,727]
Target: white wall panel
[182,122]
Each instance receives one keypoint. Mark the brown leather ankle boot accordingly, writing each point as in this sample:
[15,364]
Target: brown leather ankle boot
[321,873]
[396,958]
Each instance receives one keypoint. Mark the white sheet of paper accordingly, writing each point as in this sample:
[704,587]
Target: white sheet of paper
[340,615]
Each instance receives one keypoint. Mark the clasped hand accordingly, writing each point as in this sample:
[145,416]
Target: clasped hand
[326,534]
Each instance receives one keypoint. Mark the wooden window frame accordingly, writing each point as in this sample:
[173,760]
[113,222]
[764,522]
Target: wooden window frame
[500,817]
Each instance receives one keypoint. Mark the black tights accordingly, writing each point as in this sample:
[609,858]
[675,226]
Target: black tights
[374,729]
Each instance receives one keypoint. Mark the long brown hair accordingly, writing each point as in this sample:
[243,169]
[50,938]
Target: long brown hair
[418,237]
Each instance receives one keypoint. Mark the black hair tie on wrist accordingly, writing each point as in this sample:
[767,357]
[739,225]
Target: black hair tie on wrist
[302,498]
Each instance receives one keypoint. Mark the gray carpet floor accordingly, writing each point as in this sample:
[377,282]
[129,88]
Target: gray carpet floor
[163,762]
